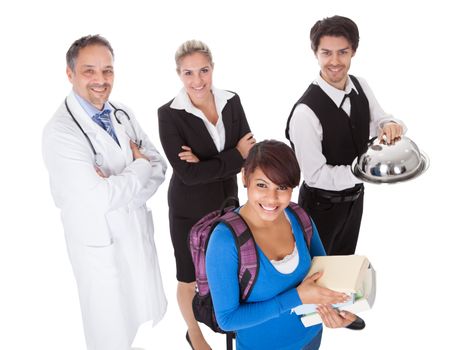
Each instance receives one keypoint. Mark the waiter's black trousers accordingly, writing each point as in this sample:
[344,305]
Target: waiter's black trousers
[338,223]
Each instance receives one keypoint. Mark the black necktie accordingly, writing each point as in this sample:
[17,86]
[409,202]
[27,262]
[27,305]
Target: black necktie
[351,95]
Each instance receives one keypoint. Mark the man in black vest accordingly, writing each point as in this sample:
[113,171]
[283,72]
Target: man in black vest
[328,128]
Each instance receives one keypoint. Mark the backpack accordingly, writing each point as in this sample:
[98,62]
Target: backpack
[248,257]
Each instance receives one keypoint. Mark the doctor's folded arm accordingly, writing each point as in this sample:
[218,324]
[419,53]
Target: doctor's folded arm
[101,183]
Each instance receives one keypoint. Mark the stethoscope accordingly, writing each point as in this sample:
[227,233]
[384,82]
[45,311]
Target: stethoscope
[98,158]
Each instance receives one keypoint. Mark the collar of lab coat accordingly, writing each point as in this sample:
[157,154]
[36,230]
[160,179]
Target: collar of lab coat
[85,121]
[93,130]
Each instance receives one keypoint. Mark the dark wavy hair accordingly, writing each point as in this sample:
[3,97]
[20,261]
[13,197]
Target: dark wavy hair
[277,161]
[335,26]
[72,53]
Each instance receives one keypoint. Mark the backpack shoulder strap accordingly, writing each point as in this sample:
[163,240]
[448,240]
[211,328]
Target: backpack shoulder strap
[303,220]
[247,252]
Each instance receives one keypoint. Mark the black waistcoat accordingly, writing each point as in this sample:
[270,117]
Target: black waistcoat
[344,137]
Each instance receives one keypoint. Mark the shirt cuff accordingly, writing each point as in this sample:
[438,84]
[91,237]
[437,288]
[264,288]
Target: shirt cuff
[384,121]
[143,169]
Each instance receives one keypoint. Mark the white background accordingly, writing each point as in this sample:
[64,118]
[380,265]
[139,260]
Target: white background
[261,51]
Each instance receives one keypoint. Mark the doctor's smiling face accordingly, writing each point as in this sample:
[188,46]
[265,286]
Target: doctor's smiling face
[93,75]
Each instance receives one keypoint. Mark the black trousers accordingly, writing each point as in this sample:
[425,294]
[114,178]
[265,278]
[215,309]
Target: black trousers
[338,223]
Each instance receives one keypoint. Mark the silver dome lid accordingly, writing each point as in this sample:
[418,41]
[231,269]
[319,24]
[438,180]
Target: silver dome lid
[385,163]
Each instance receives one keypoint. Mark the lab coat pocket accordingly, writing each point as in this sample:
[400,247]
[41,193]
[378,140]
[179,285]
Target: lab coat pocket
[86,228]
[101,261]
[119,223]
[93,263]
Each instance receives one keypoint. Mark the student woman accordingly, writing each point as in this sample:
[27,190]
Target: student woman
[265,320]
[206,137]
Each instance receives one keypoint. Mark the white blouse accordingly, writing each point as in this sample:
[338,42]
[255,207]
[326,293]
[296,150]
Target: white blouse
[217,132]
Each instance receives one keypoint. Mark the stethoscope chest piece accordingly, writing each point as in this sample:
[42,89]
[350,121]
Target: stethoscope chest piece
[98,159]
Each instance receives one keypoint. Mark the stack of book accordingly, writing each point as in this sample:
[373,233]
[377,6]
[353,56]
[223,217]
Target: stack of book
[351,274]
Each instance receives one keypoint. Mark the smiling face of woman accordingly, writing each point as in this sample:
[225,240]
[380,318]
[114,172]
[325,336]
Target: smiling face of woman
[195,72]
[266,200]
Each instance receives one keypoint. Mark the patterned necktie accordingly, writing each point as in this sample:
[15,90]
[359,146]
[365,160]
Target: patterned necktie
[103,119]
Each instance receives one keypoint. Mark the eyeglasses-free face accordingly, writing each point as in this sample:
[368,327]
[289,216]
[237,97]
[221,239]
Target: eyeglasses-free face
[93,75]
[196,75]
[334,55]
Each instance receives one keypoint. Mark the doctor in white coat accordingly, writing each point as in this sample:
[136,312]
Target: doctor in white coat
[101,182]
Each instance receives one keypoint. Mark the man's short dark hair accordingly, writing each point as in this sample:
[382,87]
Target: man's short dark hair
[335,26]
[72,53]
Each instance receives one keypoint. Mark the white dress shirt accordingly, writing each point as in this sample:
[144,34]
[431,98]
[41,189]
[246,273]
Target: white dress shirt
[221,97]
[306,134]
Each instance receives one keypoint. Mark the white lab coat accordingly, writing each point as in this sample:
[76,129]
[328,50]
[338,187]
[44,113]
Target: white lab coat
[108,229]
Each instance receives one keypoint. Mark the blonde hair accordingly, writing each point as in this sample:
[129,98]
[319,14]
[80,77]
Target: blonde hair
[190,47]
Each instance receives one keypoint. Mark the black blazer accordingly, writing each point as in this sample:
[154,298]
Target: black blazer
[198,188]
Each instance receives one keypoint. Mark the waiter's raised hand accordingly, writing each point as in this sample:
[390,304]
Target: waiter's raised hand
[244,145]
[136,151]
[188,155]
[391,131]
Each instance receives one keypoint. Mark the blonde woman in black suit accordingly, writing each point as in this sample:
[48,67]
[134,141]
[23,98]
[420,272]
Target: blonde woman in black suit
[206,138]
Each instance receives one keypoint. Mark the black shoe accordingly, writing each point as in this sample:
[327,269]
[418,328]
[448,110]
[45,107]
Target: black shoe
[188,340]
[357,324]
